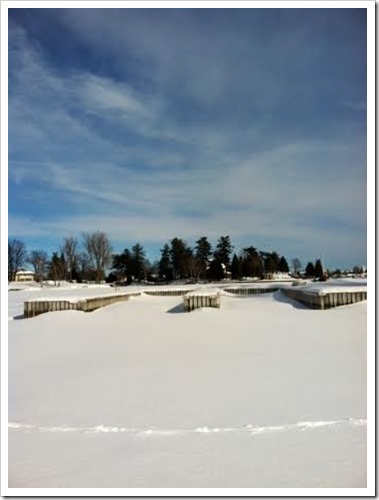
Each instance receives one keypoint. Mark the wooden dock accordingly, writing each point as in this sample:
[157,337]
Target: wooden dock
[250,290]
[35,307]
[202,298]
[324,299]
[167,293]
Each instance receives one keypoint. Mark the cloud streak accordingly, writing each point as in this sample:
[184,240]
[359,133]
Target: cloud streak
[156,145]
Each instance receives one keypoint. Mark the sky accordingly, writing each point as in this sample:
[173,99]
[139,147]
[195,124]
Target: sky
[150,124]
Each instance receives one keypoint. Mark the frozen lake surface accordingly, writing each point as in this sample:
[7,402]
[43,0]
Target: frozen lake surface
[262,392]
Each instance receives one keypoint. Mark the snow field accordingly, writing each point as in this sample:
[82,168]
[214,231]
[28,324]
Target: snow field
[328,457]
[260,393]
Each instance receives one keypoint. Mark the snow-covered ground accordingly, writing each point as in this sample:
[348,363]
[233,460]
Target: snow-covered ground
[262,392]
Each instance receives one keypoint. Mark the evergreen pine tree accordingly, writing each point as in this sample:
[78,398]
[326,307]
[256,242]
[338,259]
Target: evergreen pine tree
[236,268]
[310,270]
[275,259]
[223,250]
[203,252]
[269,262]
[319,272]
[138,262]
[122,265]
[215,271]
[180,255]
[283,265]
[165,267]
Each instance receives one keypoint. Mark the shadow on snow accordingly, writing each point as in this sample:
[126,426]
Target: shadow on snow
[176,309]
[280,297]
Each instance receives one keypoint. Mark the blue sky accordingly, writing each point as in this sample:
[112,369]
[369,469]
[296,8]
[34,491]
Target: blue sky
[150,124]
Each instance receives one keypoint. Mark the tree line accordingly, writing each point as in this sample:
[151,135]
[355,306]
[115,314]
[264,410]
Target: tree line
[75,261]
[180,261]
[89,259]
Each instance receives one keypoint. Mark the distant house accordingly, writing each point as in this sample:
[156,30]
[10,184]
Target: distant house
[24,275]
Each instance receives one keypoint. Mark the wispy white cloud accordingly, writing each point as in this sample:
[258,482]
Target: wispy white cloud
[126,229]
[110,153]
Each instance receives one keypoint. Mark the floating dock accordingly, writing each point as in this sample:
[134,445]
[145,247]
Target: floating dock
[324,299]
[202,298]
[249,290]
[167,293]
[314,297]
[39,306]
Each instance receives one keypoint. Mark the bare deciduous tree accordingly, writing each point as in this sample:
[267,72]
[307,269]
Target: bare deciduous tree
[84,266]
[194,267]
[296,265]
[99,251]
[39,260]
[71,254]
[16,257]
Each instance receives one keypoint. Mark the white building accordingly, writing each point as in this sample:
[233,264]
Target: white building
[24,275]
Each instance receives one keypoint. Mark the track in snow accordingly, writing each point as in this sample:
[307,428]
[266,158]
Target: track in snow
[248,429]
